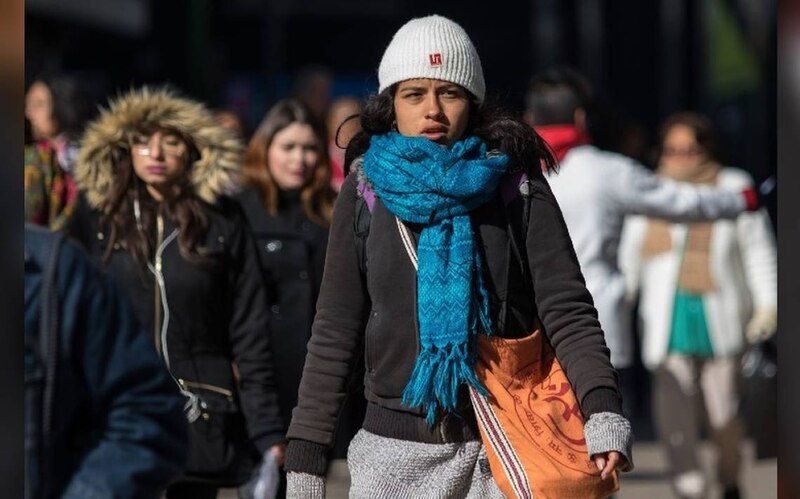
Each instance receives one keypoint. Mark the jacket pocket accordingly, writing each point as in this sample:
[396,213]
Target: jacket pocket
[220,450]
[391,346]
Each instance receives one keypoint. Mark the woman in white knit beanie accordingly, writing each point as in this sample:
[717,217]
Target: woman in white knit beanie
[419,264]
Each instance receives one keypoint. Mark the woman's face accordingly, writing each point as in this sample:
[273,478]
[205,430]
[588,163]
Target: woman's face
[293,155]
[159,160]
[681,150]
[435,109]
[39,111]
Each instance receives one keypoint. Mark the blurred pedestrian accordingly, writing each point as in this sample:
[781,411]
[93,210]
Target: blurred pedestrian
[312,86]
[102,416]
[343,124]
[597,189]
[704,288]
[153,170]
[55,111]
[424,152]
[289,203]
[232,120]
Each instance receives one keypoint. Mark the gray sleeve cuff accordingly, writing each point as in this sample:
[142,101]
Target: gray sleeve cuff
[607,431]
[304,486]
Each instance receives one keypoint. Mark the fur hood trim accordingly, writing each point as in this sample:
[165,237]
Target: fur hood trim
[106,139]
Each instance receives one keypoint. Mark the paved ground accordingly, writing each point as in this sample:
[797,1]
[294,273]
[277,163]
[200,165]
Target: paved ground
[759,479]
[648,480]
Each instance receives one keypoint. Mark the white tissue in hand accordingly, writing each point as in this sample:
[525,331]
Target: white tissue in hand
[268,478]
[264,482]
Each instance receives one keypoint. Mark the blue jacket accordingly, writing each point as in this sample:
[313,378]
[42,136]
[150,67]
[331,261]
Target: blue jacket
[103,416]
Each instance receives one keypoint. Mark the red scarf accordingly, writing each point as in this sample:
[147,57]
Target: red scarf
[562,138]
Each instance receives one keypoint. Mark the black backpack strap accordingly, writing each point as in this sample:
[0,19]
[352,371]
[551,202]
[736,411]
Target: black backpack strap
[516,196]
[517,191]
[365,201]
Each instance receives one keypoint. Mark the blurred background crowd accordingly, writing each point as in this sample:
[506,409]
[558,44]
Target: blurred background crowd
[646,60]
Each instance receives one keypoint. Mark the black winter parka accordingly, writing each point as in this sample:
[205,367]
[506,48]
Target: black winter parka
[291,250]
[216,313]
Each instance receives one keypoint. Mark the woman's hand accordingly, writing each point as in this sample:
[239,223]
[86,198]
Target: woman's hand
[609,441]
[607,462]
[278,451]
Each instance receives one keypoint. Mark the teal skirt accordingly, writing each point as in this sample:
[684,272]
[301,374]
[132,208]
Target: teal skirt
[689,335]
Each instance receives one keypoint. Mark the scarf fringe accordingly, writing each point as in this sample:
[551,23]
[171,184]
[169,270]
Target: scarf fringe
[436,377]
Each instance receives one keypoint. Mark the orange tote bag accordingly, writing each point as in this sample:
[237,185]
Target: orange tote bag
[531,424]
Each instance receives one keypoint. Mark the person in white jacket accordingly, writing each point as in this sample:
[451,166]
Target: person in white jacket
[704,288]
[597,189]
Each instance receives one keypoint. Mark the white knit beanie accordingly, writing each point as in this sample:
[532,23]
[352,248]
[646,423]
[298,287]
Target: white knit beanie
[432,47]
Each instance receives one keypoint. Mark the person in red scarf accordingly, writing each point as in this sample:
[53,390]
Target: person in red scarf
[596,189]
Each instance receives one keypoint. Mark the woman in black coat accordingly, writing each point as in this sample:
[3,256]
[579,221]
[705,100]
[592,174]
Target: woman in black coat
[289,203]
[152,171]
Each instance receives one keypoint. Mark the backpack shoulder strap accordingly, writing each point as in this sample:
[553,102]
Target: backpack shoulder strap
[516,193]
[365,203]
[365,192]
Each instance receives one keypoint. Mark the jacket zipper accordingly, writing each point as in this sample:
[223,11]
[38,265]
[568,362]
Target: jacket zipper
[158,265]
[194,404]
[161,310]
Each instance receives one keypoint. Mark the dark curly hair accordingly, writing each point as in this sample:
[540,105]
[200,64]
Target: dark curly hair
[498,127]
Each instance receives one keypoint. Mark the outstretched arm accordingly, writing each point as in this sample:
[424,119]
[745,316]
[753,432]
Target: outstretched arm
[638,191]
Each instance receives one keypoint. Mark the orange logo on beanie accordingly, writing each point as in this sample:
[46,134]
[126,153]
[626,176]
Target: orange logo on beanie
[435,59]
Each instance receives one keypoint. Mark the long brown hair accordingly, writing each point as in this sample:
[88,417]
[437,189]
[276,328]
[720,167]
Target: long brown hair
[184,209]
[316,196]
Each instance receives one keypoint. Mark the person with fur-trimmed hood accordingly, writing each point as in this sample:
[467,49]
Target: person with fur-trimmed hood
[154,170]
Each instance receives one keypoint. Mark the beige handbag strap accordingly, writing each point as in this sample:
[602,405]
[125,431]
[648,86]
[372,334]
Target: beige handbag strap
[408,242]
[485,415]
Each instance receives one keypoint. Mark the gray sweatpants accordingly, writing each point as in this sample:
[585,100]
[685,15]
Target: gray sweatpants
[388,468]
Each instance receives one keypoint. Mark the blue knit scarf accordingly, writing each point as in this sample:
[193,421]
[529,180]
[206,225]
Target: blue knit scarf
[421,182]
